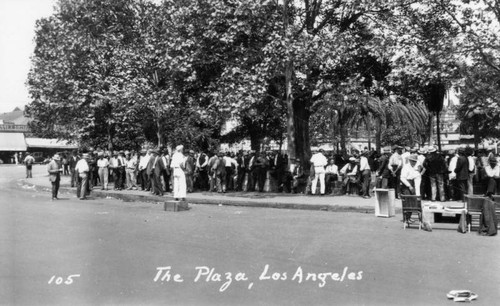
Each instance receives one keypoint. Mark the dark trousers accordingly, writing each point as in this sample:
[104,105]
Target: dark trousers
[330,180]
[461,190]
[221,181]
[55,188]
[74,177]
[492,186]
[261,178]
[145,183]
[367,179]
[156,184]
[203,180]
[166,178]
[253,178]
[229,178]
[189,182]
[395,182]
[29,172]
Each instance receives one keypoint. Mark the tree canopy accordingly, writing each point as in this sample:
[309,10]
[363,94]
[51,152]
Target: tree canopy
[119,73]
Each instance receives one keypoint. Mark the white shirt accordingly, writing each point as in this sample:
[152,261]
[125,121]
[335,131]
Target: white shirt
[177,159]
[319,160]
[354,170]
[492,172]
[166,160]
[131,163]
[333,169]
[230,161]
[409,173]
[404,157]
[143,162]
[472,163]
[395,160]
[363,164]
[101,163]
[82,166]
[452,166]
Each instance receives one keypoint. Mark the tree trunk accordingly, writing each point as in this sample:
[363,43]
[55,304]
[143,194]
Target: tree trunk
[110,138]
[290,127]
[343,138]
[476,134]
[378,134]
[431,129]
[301,126]
[158,133]
[438,131]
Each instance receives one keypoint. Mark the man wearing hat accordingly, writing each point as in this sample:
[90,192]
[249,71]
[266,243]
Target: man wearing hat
[130,168]
[383,174]
[165,157]
[395,165]
[143,165]
[82,168]
[54,168]
[189,170]
[411,176]
[319,163]
[492,171]
[350,176]
[103,170]
[120,171]
[29,160]
[366,174]
[462,174]
[72,164]
[154,170]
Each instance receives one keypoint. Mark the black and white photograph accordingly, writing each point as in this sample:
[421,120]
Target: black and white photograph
[249,152]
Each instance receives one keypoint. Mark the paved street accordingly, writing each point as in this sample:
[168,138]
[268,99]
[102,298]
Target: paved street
[116,248]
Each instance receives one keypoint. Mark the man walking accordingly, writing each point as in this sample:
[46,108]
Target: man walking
[54,168]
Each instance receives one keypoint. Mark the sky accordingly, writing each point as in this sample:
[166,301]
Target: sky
[17,31]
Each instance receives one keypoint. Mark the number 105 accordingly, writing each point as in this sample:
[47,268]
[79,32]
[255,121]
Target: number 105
[59,280]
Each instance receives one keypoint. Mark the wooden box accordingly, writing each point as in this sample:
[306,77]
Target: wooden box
[384,205]
[175,206]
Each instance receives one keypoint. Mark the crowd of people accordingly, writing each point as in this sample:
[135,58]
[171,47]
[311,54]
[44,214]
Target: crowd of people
[421,171]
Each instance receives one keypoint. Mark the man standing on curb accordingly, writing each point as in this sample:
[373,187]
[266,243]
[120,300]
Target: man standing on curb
[72,164]
[82,169]
[366,175]
[319,162]
[103,164]
[54,168]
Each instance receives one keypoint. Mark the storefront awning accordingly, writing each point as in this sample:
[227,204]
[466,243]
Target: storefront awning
[42,143]
[12,142]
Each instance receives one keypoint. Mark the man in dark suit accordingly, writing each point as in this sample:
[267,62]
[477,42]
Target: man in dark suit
[154,171]
[241,161]
[72,164]
[54,168]
[462,172]
[189,171]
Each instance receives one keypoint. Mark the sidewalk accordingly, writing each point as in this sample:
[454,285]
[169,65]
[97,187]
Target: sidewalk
[41,182]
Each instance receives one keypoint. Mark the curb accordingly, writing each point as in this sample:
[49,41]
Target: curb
[227,202]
